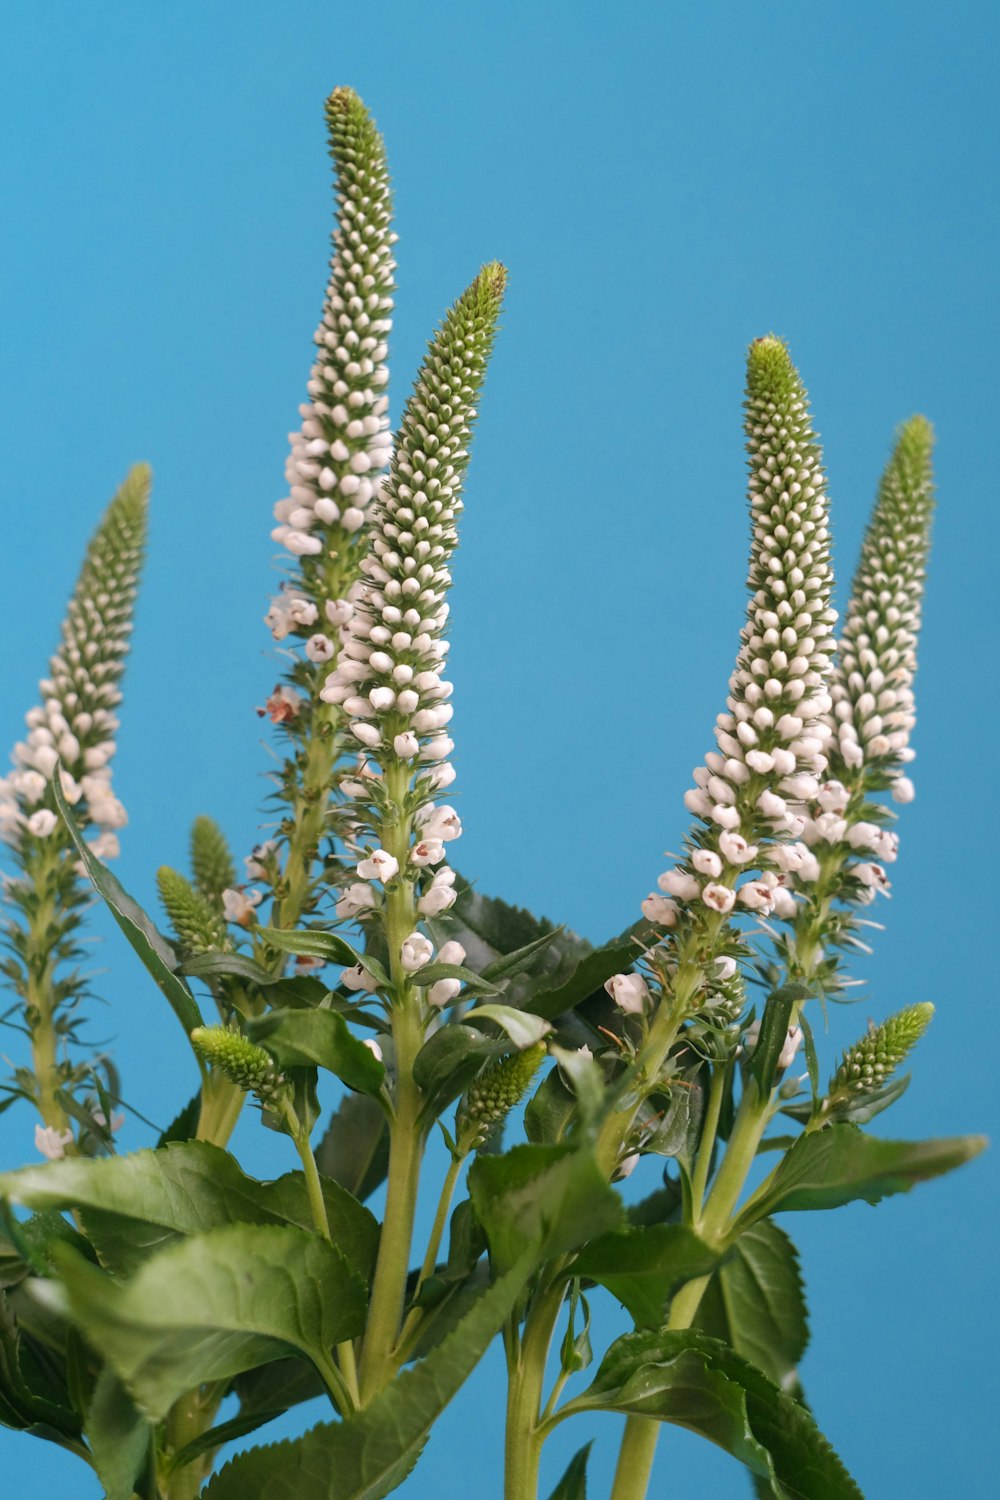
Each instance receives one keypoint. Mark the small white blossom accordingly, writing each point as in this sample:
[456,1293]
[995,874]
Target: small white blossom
[791,1046]
[735,849]
[660,910]
[451,952]
[357,898]
[42,823]
[416,951]
[629,992]
[707,862]
[373,1047]
[238,906]
[52,1143]
[719,897]
[357,977]
[379,865]
[443,991]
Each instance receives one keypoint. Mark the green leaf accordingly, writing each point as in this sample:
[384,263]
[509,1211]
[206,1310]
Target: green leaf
[774,1033]
[497,936]
[152,947]
[521,960]
[370,1453]
[588,976]
[573,1484]
[643,1268]
[472,983]
[119,1437]
[318,1038]
[551,1111]
[314,943]
[552,1198]
[841,1164]
[136,1204]
[22,1407]
[354,1152]
[448,1062]
[755,1302]
[211,1306]
[698,1382]
[523,1029]
[184,1126]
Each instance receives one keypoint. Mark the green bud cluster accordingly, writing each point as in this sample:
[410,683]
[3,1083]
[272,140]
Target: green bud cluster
[870,1062]
[497,1090]
[197,923]
[211,862]
[242,1061]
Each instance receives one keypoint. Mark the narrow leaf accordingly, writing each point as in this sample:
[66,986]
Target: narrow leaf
[573,1484]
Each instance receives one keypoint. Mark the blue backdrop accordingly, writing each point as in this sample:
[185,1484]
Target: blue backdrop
[665,182]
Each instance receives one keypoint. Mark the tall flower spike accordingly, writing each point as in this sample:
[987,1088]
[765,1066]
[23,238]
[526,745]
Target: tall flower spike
[388,678]
[334,469]
[749,794]
[867,1065]
[873,713]
[211,861]
[75,725]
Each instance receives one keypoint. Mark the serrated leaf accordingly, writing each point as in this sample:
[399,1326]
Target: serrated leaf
[354,1152]
[318,1038]
[184,1125]
[573,1484]
[643,1268]
[156,954]
[21,1407]
[134,1205]
[840,1164]
[370,1453]
[755,1302]
[119,1437]
[698,1382]
[554,1198]
[211,1306]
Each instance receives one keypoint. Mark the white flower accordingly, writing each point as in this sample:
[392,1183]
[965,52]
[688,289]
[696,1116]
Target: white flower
[451,953]
[356,899]
[440,823]
[770,805]
[416,951]
[680,883]
[379,865]
[373,1047]
[438,899]
[42,823]
[864,836]
[406,745]
[756,896]
[827,829]
[783,903]
[444,991]
[660,910]
[238,906]
[872,875]
[367,734]
[52,1143]
[358,978]
[257,860]
[319,647]
[30,784]
[427,852]
[338,611]
[735,849]
[719,897]
[792,1044]
[903,789]
[725,969]
[629,992]
[833,797]
[627,1166]
[707,862]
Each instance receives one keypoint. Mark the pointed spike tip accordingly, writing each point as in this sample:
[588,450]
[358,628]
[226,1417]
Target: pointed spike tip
[770,372]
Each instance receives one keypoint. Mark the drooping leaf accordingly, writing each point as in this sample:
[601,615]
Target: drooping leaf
[841,1164]
[319,1038]
[354,1152]
[644,1267]
[774,1033]
[137,1204]
[573,1484]
[315,943]
[119,1437]
[700,1383]
[213,1305]
[24,1408]
[551,1111]
[495,933]
[523,1029]
[588,977]
[185,1123]
[369,1454]
[552,1198]
[152,947]
[755,1302]
[473,984]
[521,960]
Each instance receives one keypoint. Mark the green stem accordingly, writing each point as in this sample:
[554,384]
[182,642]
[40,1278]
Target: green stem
[525,1383]
[709,1130]
[413,1318]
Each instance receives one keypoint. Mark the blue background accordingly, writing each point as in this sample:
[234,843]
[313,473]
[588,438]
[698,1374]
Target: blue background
[665,183]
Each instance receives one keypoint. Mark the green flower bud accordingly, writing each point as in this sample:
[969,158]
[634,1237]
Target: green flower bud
[240,1060]
[870,1062]
[497,1090]
[211,862]
[199,927]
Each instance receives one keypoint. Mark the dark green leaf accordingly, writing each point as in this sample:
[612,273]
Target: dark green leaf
[644,1267]
[841,1164]
[314,943]
[211,1306]
[551,1198]
[22,1407]
[448,1062]
[133,1205]
[774,1033]
[473,984]
[522,959]
[550,1111]
[755,1302]
[369,1454]
[573,1484]
[152,947]
[184,1127]
[588,976]
[354,1152]
[699,1383]
[320,1038]
[576,1352]
[119,1437]
[523,1029]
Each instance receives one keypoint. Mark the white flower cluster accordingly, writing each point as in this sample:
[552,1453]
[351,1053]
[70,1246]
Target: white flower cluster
[340,451]
[388,676]
[76,723]
[873,705]
[752,794]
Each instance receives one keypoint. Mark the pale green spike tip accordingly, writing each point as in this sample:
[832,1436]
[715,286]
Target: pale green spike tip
[770,372]
[871,1061]
[198,925]
[240,1060]
[211,862]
